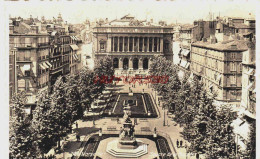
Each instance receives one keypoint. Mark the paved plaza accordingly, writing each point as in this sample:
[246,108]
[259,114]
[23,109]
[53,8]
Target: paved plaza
[172,129]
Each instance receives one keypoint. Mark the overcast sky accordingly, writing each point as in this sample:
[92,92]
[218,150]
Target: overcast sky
[171,11]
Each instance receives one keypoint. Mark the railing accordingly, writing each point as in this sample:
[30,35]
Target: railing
[134,29]
[23,59]
[23,45]
[43,44]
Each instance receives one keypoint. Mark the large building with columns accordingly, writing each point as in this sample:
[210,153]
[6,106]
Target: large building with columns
[132,44]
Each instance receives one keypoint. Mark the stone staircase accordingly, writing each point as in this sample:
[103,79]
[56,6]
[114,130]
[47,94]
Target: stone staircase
[141,150]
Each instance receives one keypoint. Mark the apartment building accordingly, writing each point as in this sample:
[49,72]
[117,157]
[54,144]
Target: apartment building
[219,65]
[30,50]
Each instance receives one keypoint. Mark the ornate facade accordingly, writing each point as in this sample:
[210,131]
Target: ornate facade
[132,44]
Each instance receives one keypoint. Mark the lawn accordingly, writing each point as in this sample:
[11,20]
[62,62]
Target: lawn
[137,111]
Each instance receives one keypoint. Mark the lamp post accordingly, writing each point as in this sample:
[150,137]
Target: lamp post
[163,116]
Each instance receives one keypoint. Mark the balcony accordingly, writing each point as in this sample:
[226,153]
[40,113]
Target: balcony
[23,59]
[23,45]
[40,45]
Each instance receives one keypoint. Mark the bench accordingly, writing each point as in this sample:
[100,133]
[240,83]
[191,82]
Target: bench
[145,129]
[111,128]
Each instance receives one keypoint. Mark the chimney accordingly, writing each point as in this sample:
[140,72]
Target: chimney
[233,46]
[34,29]
[11,29]
[213,39]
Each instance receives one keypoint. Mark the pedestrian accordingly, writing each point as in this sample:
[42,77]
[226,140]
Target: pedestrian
[177,142]
[78,137]
[181,143]
[76,125]
[117,120]
[197,156]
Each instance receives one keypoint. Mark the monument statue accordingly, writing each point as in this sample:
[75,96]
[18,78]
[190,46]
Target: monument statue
[126,136]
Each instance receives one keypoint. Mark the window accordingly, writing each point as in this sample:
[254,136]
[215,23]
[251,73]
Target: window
[232,66]
[233,55]
[233,80]
[26,84]
[102,46]
[27,73]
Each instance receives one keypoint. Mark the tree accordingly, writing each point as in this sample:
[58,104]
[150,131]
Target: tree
[250,151]
[20,135]
[72,96]
[221,139]
[87,87]
[42,125]
[61,115]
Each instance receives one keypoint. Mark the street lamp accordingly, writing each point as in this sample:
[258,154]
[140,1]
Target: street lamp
[163,117]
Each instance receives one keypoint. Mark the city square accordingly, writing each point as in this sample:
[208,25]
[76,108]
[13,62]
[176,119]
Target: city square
[132,83]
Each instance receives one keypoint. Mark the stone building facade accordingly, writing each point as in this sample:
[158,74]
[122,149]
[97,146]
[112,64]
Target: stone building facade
[248,101]
[132,44]
[219,65]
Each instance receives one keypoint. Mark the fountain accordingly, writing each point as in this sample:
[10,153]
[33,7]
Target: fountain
[127,145]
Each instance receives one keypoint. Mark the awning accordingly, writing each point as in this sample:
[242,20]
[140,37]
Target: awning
[45,65]
[74,47]
[53,33]
[183,63]
[250,72]
[77,56]
[219,77]
[42,67]
[73,38]
[49,64]
[187,65]
[74,56]
[178,62]
[249,86]
[185,52]
[26,67]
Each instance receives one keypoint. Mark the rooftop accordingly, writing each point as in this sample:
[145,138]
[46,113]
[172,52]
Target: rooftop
[129,21]
[230,45]
[242,26]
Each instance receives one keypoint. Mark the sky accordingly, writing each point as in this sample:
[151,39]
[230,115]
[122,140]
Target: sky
[172,11]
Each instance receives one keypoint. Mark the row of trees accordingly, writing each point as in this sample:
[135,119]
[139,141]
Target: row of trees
[205,126]
[55,113]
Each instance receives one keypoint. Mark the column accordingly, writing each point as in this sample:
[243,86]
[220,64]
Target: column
[133,44]
[123,44]
[152,44]
[112,44]
[130,63]
[158,41]
[120,63]
[118,43]
[109,44]
[147,44]
[143,45]
[149,62]
[161,45]
[138,42]
[128,42]
[141,63]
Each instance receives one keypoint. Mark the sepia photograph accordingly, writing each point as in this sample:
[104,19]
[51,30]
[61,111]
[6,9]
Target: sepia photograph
[129,79]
